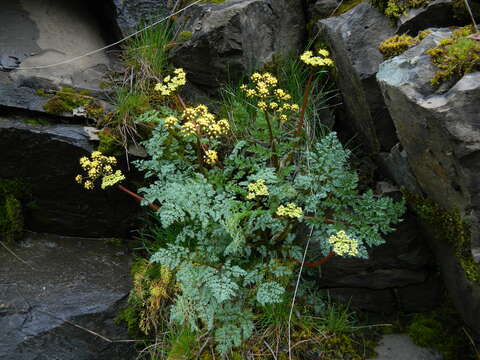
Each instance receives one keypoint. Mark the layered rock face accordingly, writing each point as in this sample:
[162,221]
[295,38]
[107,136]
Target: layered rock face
[229,40]
[46,158]
[62,301]
[432,143]
[34,35]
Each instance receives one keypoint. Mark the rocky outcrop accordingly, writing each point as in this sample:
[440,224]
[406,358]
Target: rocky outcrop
[129,15]
[439,132]
[391,278]
[354,38]
[46,158]
[35,34]
[322,8]
[66,288]
[221,42]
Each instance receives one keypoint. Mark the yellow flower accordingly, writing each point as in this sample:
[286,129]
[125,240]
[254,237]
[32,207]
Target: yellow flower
[291,211]
[88,185]
[188,129]
[211,157]
[171,84]
[283,118]
[262,105]
[257,188]
[112,179]
[343,245]
[170,122]
[322,60]
[79,179]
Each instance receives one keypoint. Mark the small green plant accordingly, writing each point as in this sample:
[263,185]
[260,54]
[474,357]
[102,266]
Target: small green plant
[11,210]
[455,56]
[444,331]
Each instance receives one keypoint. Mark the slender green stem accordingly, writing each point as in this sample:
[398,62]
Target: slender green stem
[306,95]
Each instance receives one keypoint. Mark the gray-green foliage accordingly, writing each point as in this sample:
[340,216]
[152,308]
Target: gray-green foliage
[233,254]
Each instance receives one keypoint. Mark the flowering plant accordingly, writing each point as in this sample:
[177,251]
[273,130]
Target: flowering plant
[238,204]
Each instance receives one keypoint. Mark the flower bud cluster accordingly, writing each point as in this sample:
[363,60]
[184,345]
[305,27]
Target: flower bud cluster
[290,211]
[257,188]
[200,122]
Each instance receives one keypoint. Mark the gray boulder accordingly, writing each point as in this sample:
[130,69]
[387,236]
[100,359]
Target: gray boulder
[354,38]
[46,158]
[130,14]
[437,13]
[231,39]
[439,132]
[66,288]
[322,8]
[390,278]
[401,347]
[34,34]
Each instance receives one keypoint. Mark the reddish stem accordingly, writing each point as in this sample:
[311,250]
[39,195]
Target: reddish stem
[137,197]
[316,263]
[306,95]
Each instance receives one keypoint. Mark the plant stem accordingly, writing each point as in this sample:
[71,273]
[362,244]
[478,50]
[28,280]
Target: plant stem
[274,158]
[318,262]
[306,95]
[137,197]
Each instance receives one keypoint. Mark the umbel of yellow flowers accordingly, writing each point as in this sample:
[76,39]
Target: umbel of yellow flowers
[270,98]
[97,167]
[171,83]
[343,245]
[322,60]
[257,188]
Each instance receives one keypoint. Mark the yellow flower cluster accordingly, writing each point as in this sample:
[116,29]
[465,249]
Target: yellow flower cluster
[257,188]
[96,167]
[171,83]
[170,122]
[211,157]
[291,211]
[200,122]
[322,60]
[270,97]
[343,245]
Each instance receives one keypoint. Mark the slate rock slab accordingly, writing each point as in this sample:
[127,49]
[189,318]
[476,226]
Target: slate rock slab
[84,281]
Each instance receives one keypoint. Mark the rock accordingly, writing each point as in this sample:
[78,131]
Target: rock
[33,34]
[354,38]
[65,281]
[401,347]
[440,135]
[390,278]
[231,39]
[403,260]
[378,301]
[395,165]
[46,157]
[323,8]
[437,13]
[130,14]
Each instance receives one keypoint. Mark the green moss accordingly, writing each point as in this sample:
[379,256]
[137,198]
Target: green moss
[346,5]
[11,215]
[37,121]
[184,36]
[450,227]
[41,92]
[65,100]
[455,56]
[398,44]
[443,331]
[396,8]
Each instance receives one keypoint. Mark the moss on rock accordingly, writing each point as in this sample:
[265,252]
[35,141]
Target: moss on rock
[398,44]
[67,99]
[455,56]
[11,214]
[450,227]
[396,8]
